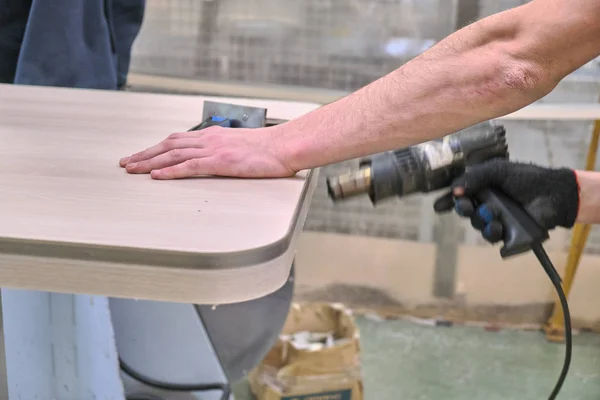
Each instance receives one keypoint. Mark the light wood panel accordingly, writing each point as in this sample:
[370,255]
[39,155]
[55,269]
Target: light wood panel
[72,220]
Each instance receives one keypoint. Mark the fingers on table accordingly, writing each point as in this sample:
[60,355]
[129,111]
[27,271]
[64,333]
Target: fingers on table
[186,169]
[175,141]
[168,159]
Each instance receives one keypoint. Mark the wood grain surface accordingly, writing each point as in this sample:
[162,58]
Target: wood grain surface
[72,220]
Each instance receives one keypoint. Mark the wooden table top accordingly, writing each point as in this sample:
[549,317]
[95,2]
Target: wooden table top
[68,208]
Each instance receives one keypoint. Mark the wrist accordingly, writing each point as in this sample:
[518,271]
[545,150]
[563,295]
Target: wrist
[351,127]
[566,188]
[589,197]
[291,146]
[319,138]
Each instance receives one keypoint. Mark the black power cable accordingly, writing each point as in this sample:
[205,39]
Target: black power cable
[224,387]
[543,258]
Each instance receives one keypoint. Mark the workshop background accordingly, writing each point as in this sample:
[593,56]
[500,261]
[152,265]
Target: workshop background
[399,258]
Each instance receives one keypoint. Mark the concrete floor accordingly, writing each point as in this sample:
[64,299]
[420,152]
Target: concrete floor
[406,361]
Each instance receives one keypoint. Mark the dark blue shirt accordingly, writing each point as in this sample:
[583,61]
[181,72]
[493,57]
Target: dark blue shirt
[72,43]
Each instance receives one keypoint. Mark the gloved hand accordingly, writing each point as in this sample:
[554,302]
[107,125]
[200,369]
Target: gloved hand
[550,196]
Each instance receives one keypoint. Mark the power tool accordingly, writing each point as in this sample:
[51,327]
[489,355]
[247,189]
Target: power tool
[434,165]
[421,168]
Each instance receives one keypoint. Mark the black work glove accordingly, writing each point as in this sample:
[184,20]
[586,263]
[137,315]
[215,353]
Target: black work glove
[550,196]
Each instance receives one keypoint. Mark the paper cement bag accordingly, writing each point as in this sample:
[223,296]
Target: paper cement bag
[317,357]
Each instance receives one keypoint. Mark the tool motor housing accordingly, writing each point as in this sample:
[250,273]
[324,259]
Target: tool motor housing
[421,168]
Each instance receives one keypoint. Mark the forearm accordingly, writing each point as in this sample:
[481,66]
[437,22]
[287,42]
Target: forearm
[486,70]
[589,197]
[465,79]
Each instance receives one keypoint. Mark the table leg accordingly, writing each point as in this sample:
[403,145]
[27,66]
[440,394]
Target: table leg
[59,346]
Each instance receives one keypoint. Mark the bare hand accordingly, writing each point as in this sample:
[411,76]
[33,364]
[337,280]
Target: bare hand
[244,153]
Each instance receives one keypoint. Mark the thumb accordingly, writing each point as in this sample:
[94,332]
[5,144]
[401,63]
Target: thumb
[477,178]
